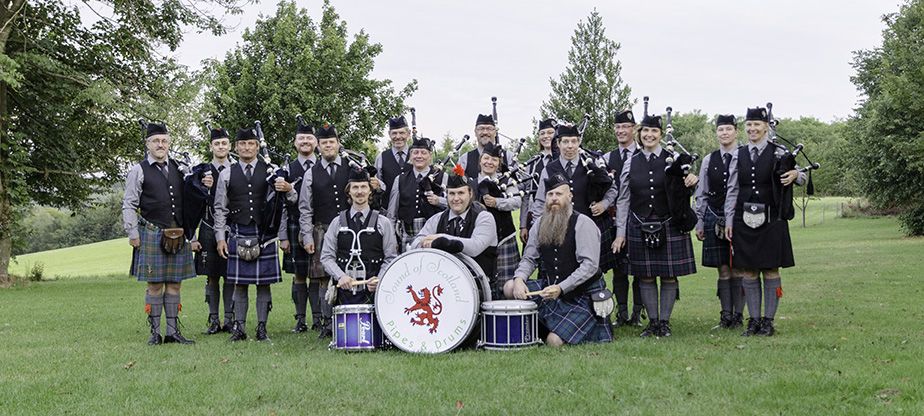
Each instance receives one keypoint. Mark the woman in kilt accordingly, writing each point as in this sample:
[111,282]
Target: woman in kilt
[495,200]
[657,247]
[710,225]
[417,194]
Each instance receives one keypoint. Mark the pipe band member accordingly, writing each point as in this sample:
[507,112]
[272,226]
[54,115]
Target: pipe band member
[485,132]
[298,261]
[417,194]
[491,194]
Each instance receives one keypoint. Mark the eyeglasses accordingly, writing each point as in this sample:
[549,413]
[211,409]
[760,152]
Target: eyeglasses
[486,128]
[160,141]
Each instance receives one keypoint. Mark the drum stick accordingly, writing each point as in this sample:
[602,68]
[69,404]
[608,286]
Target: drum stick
[362,282]
[538,292]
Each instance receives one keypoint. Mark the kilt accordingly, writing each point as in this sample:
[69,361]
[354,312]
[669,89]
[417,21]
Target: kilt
[508,258]
[150,263]
[297,261]
[766,247]
[716,252]
[572,319]
[674,257]
[262,271]
[315,270]
[208,262]
[608,259]
[406,237]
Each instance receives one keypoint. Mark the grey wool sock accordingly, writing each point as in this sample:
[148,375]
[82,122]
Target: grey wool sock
[264,302]
[737,297]
[772,293]
[171,310]
[649,292]
[752,297]
[725,295]
[212,298]
[314,290]
[668,297]
[227,297]
[240,308]
[156,303]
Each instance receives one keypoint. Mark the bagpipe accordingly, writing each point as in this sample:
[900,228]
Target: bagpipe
[785,161]
[599,177]
[678,164]
[429,183]
[677,168]
[275,200]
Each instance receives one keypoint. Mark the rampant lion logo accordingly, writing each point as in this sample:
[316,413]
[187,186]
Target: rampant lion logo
[426,313]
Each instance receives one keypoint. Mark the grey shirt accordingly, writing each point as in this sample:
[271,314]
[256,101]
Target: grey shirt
[329,249]
[587,246]
[622,201]
[731,194]
[305,201]
[394,197]
[506,203]
[610,198]
[484,234]
[221,203]
[132,197]
[703,188]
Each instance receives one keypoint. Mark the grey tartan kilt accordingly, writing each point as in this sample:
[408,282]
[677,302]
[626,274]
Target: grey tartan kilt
[297,260]
[208,261]
[264,270]
[608,259]
[508,258]
[405,238]
[716,252]
[674,257]
[572,318]
[315,269]
[150,263]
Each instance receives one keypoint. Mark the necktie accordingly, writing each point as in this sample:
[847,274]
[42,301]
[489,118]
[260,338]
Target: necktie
[221,168]
[248,172]
[331,168]
[162,166]
[753,154]
[651,157]
[307,165]
[419,177]
[358,221]
[570,169]
[625,154]
[401,159]
[727,158]
[455,226]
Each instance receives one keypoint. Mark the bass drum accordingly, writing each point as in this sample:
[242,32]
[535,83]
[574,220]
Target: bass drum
[428,301]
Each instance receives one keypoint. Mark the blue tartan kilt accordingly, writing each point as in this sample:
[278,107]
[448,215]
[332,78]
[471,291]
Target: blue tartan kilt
[150,263]
[572,318]
[406,237]
[716,252]
[508,258]
[674,257]
[608,259]
[262,271]
[315,269]
[208,261]
[297,260]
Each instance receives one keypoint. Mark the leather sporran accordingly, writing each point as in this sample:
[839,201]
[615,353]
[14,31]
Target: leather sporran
[172,240]
[755,214]
[720,228]
[331,295]
[653,234]
[248,249]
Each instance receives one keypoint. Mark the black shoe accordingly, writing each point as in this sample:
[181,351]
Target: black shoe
[620,321]
[228,327]
[737,321]
[155,339]
[177,338]
[237,336]
[300,325]
[214,327]
[664,329]
[315,326]
[635,320]
[766,327]
[261,332]
[325,333]
[725,321]
[753,327]
[651,330]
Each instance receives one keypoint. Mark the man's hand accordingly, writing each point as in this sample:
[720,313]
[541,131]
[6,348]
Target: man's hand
[223,249]
[728,233]
[700,235]
[373,283]
[618,244]
[490,201]
[427,241]
[208,181]
[282,186]
[690,180]
[284,245]
[134,242]
[551,292]
[524,234]
[596,208]
[374,183]
[789,177]
[195,246]
[432,199]
[345,282]
[519,289]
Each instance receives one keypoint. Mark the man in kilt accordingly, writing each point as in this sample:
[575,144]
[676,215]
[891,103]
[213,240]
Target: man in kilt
[485,132]
[239,221]
[624,127]
[377,247]
[566,313]
[297,260]
[155,187]
[490,193]
[755,207]
[710,225]
[650,200]
[416,194]
[208,262]
[463,228]
[394,161]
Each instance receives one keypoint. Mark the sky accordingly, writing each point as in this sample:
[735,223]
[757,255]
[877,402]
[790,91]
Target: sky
[720,56]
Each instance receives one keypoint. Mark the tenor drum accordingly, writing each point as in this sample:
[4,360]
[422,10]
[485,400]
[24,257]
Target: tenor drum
[355,328]
[509,325]
[428,300]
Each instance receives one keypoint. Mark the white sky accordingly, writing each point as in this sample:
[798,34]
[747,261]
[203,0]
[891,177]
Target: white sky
[720,56]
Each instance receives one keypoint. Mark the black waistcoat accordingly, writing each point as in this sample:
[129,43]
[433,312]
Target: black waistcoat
[503,220]
[328,195]
[616,163]
[717,178]
[391,170]
[473,163]
[578,183]
[488,258]
[647,179]
[296,172]
[755,180]
[412,200]
[246,198]
[161,199]
[560,261]
[209,217]
[372,253]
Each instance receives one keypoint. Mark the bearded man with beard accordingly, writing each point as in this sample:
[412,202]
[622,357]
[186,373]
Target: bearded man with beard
[566,313]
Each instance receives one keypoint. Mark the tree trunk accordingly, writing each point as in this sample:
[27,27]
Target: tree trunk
[6,213]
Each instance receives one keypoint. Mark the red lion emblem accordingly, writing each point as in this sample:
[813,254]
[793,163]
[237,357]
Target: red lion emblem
[426,313]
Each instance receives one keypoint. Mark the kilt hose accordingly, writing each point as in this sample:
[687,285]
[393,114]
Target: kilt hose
[716,252]
[572,318]
[407,234]
[315,270]
[262,271]
[208,262]
[297,260]
[150,263]
[674,258]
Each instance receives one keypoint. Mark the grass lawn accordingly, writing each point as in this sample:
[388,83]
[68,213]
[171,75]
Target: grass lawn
[849,341]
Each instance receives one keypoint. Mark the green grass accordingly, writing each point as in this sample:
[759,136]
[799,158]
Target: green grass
[105,258]
[849,330]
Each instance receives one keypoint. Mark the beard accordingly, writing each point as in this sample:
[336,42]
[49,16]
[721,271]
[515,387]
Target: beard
[554,224]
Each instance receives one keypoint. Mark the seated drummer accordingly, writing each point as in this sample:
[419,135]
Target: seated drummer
[377,248]
[500,205]
[463,228]
[566,312]
[414,195]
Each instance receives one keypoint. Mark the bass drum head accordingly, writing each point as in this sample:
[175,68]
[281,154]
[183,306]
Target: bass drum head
[427,301]
[484,285]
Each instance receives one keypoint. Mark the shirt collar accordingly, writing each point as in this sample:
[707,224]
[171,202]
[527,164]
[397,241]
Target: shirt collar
[312,158]
[760,146]
[365,212]
[632,146]
[657,152]
[452,214]
[227,164]
[325,163]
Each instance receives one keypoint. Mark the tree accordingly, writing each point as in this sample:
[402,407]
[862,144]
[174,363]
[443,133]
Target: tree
[591,84]
[290,65]
[70,90]
[886,140]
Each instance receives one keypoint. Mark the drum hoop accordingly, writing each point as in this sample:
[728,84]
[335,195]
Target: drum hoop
[357,308]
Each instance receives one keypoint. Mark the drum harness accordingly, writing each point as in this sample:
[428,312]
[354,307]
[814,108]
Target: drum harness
[356,268]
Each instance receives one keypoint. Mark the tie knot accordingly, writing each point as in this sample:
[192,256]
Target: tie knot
[221,168]
[358,218]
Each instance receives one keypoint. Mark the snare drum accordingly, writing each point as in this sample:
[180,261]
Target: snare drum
[509,325]
[355,328]
[428,300]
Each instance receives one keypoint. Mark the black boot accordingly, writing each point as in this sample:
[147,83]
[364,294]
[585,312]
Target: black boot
[664,329]
[766,327]
[753,327]
[228,327]
[177,338]
[725,321]
[155,335]
[300,325]
[635,319]
[325,329]
[737,321]
[261,332]
[651,330]
[620,321]
[214,326]
[238,335]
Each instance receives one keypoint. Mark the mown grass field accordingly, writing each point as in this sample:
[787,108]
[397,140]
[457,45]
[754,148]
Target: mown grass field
[848,342]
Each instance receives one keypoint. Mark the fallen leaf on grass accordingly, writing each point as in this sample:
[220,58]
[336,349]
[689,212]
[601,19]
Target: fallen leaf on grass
[689,368]
[690,394]
[163,362]
[699,358]
[223,361]
[905,379]
[130,365]
[740,346]
[594,353]
[459,404]
[843,338]
[812,324]
[884,393]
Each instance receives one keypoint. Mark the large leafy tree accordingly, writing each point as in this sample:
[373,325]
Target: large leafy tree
[72,80]
[887,132]
[289,64]
[591,84]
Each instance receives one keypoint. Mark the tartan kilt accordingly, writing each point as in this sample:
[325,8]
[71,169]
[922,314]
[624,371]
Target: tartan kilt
[406,237]
[315,270]
[262,271]
[150,263]
[674,257]
[508,258]
[208,261]
[297,260]
[766,247]
[716,252]
[573,318]
[608,259]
